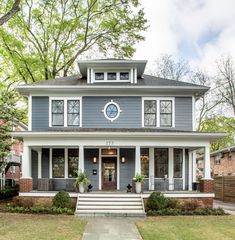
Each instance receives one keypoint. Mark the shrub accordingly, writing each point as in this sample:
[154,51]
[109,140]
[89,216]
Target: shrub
[189,205]
[9,192]
[157,201]
[62,200]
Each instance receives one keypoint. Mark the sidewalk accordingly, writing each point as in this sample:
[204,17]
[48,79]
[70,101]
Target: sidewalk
[108,228]
[228,207]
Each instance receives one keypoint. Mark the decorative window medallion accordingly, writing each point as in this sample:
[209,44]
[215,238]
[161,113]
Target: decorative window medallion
[111,111]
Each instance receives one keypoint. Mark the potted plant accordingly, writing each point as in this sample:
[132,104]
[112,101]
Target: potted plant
[81,181]
[139,179]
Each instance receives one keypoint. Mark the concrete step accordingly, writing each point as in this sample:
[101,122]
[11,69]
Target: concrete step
[110,195]
[109,207]
[108,199]
[106,203]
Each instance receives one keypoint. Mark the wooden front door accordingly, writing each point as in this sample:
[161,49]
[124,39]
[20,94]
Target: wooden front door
[109,173]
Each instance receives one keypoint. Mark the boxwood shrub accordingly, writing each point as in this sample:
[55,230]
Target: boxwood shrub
[62,200]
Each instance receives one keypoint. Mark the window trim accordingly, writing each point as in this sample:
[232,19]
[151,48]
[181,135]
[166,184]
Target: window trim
[158,99]
[65,99]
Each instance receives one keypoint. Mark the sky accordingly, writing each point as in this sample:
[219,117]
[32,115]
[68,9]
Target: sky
[198,31]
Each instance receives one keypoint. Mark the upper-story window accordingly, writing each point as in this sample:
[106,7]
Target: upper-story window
[112,76]
[65,112]
[158,112]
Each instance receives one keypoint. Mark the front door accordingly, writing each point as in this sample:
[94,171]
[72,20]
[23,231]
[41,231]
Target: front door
[109,173]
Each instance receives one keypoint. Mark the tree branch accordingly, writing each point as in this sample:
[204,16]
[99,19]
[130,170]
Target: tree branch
[15,8]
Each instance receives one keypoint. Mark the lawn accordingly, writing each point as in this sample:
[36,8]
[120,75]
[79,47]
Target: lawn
[29,227]
[188,228]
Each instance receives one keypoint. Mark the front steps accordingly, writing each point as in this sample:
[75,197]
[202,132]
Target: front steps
[110,204]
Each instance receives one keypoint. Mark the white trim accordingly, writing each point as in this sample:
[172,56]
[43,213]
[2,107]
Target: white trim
[50,162]
[40,163]
[81,158]
[194,113]
[118,168]
[184,195]
[65,99]
[158,100]
[190,171]
[105,108]
[137,160]
[151,168]
[30,113]
[100,170]
[183,168]
[171,168]
[44,194]
[207,163]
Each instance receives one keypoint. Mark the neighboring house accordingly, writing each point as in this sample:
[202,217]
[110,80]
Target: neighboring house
[112,123]
[222,162]
[13,160]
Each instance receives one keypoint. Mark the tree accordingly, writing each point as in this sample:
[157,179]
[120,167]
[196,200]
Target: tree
[169,67]
[10,13]
[226,81]
[206,103]
[220,124]
[48,36]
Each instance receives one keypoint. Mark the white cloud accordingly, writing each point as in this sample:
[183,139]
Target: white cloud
[198,30]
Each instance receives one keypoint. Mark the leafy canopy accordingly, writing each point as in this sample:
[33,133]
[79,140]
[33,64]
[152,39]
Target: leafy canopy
[47,36]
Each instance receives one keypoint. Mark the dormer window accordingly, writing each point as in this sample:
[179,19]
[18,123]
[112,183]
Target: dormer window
[111,76]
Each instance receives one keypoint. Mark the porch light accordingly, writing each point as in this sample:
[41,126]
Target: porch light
[94,159]
[123,159]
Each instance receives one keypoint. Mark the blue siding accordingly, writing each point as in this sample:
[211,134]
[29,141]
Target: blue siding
[127,169]
[183,113]
[40,113]
[93,117]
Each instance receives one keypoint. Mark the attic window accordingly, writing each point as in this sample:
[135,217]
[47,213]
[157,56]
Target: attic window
[112,75]
[124,75]
[99,76]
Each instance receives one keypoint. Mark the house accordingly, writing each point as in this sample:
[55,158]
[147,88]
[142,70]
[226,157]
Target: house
[222,162]
[113,122]
[11,172]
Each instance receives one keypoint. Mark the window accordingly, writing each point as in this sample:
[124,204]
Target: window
[165,113]
[58,163]
[65,112]
[158,112]
[161,162]
[99,76]
[144,158]
[124,75]
[112,76]
[58,112]
[150,113]
[72,162]
[178,162]
[73,112]
[217,160]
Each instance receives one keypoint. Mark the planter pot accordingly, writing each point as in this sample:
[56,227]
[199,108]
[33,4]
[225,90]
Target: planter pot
[138,187]
[81,188]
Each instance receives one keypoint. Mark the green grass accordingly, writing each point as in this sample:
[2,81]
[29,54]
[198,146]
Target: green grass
[188,228]
[30,227]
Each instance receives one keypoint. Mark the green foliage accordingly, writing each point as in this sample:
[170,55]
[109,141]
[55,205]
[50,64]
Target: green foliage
[184,212]
[139,178]
[62,200]
[157,201]
[81,178]
[39,209]
[220,124]
[9,192]
[47,37]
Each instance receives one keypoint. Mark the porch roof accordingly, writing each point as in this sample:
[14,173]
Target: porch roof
[120,132]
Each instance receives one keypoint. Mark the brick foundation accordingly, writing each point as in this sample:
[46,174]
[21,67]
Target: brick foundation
[26,184]
[133,187]
[207,185]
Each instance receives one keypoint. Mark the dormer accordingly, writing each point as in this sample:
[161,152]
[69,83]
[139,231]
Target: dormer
[112,70]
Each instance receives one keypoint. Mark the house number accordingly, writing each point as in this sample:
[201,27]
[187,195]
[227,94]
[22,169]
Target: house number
[109,143]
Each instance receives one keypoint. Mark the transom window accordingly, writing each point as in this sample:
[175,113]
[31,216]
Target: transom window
[158,112]
[65,112]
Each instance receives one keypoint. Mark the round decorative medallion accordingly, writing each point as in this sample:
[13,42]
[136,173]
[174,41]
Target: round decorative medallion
[111,111]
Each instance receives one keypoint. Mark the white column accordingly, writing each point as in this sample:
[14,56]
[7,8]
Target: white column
[171,169]
[190,160]
[207,163]
[183,169]
[26,172]
[194,159]
[137,160]
[40,163]
[118,169]
[50,163]
[66,162]
[100,170]
[151,168]
[81,158]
